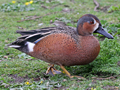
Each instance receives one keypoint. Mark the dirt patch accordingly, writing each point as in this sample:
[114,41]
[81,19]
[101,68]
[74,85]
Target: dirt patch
[61,88]
[110,87]
[18,79]
[37,79]
[105,8]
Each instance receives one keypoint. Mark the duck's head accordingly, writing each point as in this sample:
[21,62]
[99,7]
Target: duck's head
[89,24]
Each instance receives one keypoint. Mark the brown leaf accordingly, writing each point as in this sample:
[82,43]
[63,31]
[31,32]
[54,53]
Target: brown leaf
[6,41]
[6,57]
[66,10]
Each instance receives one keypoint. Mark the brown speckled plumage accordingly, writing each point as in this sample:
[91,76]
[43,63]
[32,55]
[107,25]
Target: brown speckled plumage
[62,48]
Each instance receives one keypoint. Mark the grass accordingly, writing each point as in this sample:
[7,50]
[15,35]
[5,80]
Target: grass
[17,68]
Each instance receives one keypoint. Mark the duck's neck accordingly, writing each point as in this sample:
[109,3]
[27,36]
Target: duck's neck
[83,32]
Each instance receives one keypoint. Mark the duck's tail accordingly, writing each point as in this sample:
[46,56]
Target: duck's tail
[22,45]
[18,44]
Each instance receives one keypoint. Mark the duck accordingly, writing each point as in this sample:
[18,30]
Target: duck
[63,45]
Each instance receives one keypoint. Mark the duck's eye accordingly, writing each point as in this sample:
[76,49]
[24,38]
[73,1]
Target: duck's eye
[91,22]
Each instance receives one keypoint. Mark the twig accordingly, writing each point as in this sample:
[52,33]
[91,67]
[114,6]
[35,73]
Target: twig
[111,77]
[36,17]
[45,7]
[54,6]
[72,1]
[97,5]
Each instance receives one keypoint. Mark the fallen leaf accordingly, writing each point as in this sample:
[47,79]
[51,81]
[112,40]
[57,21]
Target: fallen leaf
[51,21]
[40,24]
[6,57]
[64,80]
[6,41]
[66,10]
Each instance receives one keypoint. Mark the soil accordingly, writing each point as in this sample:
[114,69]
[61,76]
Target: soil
[18,79]
[105,8]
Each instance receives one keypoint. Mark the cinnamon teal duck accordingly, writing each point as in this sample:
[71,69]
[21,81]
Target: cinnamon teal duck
[63,45]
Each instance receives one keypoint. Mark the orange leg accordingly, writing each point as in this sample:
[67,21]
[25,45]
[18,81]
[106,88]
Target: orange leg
[69,75]
[52,71]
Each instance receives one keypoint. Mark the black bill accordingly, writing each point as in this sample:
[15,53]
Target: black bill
[103,32]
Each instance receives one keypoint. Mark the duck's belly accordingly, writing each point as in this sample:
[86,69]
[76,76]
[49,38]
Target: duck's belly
[63,50]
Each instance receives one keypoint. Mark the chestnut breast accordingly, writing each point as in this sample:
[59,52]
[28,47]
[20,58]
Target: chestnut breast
[61,48]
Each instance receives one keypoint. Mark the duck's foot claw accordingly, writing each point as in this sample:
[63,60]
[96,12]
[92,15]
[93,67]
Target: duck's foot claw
[52,71]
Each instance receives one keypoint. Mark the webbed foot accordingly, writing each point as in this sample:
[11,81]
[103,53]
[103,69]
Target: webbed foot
[52,71]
